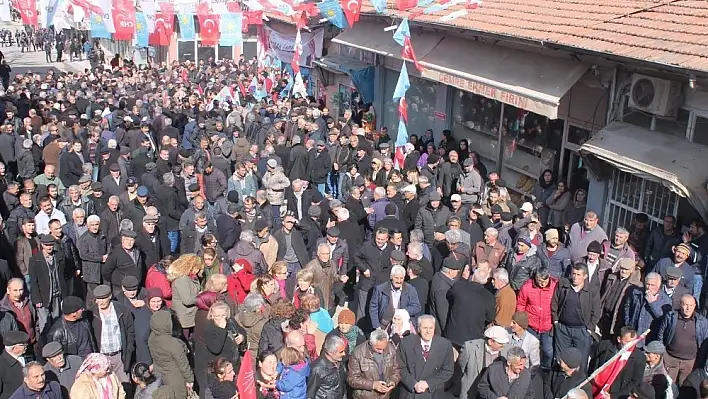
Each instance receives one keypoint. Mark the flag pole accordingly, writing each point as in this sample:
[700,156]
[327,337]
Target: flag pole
[612,359]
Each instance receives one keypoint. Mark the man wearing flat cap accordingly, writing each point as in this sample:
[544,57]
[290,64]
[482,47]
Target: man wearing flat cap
[680,259]
[50,280]
[133,296]
[115,183]
[125,260]
[655,374]
[477,354]
[60,367]
[439,286]
[152,241]
[114,330]
[319,165]
[11,362]
[673,287]
[72,330]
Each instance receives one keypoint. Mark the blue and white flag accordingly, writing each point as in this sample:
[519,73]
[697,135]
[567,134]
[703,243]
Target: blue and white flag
[52,7]
[230,26]
[98,27]
[403,83]
[141,30]
[332,10]
[379,5]
[186,26]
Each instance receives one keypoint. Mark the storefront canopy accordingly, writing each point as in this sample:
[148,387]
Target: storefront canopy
[371,36]
[525,80]
[676,163]
[361,73]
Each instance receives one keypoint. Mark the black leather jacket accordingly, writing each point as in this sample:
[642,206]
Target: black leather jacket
[327,380]
[61,332]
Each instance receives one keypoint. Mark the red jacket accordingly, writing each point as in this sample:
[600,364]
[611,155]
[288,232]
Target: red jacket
[158,279]
[536,302]
[239,283]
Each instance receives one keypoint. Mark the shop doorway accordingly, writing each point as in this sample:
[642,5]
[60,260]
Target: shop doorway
[576,174]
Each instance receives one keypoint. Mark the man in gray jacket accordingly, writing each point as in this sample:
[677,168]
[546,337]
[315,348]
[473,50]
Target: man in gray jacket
[470,183]
[93,251]
[477,354]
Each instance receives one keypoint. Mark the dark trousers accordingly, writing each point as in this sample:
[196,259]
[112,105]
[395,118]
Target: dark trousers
[546,341]
[578,337]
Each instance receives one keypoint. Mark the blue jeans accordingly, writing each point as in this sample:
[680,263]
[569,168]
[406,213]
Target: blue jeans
[333,184]
[321,188]
[173,236]
[546,347]
[276,215]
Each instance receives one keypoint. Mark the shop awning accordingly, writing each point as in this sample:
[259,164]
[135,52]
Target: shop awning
[361,73]
[370,36]
[676,163]
[525,80]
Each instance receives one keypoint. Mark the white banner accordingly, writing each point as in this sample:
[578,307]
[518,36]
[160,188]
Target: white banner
[107,15]
[149,9]
[5,14]
[282,45]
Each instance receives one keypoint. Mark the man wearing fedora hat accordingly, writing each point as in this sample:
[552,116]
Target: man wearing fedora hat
[11,362]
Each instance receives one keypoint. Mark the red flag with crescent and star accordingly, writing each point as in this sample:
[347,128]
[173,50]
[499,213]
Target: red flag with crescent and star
[87,7]
[295,63]
[352,9]
[408,53]
[164,28]
[209,29]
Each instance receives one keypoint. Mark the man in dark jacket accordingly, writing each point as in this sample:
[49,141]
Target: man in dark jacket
[15,343]
[111,218]
[522,263]
[291,249]
[93,252]
[565,375]
[115,183]
[392,222]
[123,261]
[298,166]
[228,228]
[328,375]
[411,206]
[575,310]
[495,381]
[644,307]
[152,242]
[311,229]
[319,165]
[391,296]
[441,284]
[463,325]
[684,333]
[431,217]
[49,277]
[70,164]
[661,240]
[167,203]
[72,330]
[114,331]
[369,261]
[632,373]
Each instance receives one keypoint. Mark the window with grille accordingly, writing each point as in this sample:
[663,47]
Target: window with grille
[629,194]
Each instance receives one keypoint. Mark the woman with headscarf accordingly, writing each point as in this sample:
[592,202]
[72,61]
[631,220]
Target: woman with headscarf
[543,190]
[463,150]
[146,383]
[169,355]
[423,160]
[412,155]
[153,303]
[400,327]
[94,380]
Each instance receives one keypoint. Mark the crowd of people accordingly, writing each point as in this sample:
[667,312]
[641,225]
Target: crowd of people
[156,242]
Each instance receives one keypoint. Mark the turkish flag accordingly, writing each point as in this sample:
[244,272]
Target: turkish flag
[233,6]
[28,11]
[351,10]
[209,29]
[404,5]
[87,7]
[408,53]
[245,382]
[251,18]
[403,109]
[609,371]
[164,28]
[123,20]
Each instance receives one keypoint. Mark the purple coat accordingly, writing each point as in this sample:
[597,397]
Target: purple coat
[379,211]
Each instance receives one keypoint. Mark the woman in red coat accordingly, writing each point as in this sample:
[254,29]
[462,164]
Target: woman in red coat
[157,278]
[239,282]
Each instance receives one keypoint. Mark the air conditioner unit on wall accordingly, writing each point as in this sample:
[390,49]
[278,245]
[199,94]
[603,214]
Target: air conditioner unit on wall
[654,95]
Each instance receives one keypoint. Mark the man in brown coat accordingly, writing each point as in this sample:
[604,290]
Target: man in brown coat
[505,296]
[490,250]
[365,378]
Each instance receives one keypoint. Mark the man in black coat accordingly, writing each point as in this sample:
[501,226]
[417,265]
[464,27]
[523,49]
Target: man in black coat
[125,260]
[151,241]
[167,202]
[298,166]
[115,183]
[49,278]
[392,222]
[11,378]
[368,260]
[319,165]
[305,199]
[441,283]
[111,218]
[463,325]
[228,228]
[426,362]
[565,375]
[632,373]
[297,246]
[70,165]
[311,229]
[357,213]
[120,351]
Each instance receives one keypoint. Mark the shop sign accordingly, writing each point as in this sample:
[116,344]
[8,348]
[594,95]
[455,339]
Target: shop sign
[519,101]
[440,115]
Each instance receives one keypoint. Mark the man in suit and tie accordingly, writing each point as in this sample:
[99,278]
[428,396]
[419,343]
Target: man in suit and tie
[426,362]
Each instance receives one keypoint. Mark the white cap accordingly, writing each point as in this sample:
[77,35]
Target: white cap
[527,207]
[456,197]
[409,189]
[498,334]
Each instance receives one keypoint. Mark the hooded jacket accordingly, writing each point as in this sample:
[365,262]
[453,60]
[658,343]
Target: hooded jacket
[246,250]
[169,354]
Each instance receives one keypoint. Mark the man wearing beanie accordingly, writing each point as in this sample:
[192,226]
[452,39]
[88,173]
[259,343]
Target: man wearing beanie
[525,340]
[348,331]
[566,375]
[680,259]
[522,263]
[583,233]
[72,330]
[598,267]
